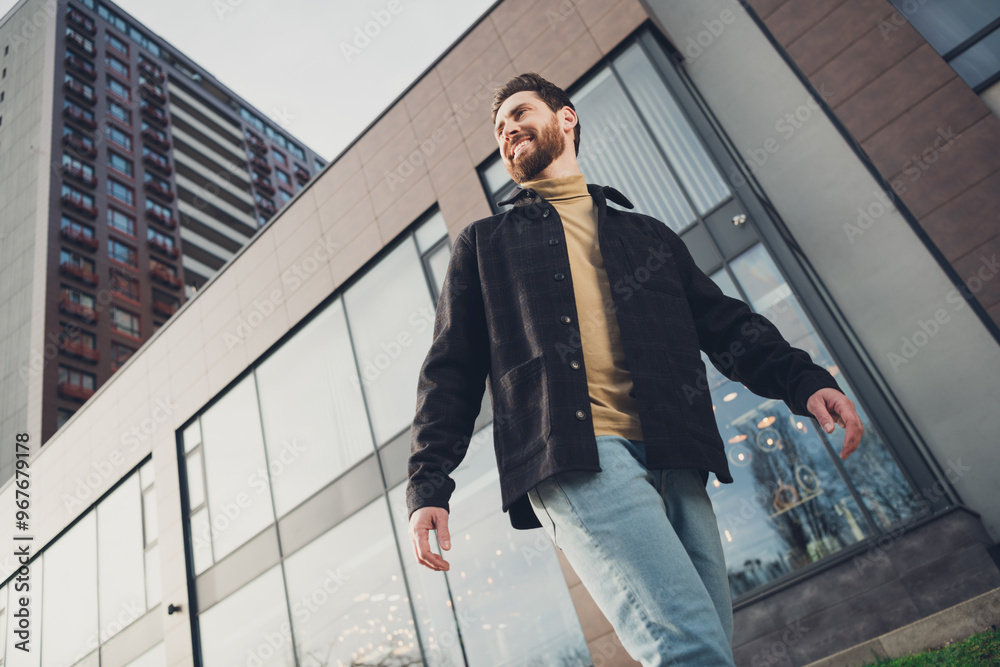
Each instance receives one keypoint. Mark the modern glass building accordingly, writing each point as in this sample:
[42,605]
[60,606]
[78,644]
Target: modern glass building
[251,457]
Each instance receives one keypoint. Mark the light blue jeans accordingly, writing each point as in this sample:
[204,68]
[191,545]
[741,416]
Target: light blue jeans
[645,544]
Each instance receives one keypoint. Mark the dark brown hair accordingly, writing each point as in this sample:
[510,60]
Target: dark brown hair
[553,96]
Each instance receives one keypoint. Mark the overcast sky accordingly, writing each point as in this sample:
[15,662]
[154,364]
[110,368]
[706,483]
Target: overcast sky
[302,62]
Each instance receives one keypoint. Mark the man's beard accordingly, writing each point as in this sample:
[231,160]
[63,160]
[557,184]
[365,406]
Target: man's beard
[548,146]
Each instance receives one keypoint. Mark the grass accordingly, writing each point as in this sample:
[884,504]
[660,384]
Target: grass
[979,650]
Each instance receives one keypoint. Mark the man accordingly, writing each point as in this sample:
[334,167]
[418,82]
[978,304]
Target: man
[602,433]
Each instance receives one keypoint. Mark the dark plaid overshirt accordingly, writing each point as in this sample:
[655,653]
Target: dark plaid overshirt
[507,312]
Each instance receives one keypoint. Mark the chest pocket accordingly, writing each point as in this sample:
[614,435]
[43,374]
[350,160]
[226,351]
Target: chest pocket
[651,265]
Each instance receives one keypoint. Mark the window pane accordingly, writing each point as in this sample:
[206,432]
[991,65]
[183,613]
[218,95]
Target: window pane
[314,415]
[617,150]
[438,263]
[980,62]
[201,540]
[119,544]
[351,575]
[236,628]
[435,617]
[432,229]
[675,135]
[947,23]
[789,504]
[147,473]
[69,594]
[239,499]
[192,436]
[195,480]
[391,316]
[153,586]
[149,515]
[510,595]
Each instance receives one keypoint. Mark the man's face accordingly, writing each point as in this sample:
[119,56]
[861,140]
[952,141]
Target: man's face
[528,134]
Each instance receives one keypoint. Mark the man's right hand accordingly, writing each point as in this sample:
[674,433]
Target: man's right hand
[422,522]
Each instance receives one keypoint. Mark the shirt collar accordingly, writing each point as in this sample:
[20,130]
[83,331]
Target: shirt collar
[526,196]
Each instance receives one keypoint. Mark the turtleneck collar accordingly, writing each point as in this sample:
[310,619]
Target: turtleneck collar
[561,188]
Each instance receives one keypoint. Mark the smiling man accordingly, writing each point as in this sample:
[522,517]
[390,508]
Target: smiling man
[588,321]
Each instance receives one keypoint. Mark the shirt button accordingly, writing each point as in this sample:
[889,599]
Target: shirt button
[581,415]
[545,213]
[553,241]
[575,365]
[565,319]
[559,276]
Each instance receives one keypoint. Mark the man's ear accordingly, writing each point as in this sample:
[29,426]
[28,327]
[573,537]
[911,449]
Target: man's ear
[568,118]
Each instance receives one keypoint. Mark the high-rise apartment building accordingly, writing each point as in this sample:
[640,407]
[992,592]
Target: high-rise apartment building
[129,177]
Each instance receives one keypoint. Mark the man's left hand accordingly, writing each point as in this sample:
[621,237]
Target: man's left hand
[829,405]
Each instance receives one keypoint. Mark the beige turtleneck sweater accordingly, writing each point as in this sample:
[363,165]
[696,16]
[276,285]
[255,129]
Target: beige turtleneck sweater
[608,378]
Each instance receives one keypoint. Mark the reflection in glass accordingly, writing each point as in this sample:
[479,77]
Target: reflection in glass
[435,617]
[789,504]
[239,499]
[195,480]
[250,627]
[392,318]
[510,595]
[674,133]
[120,562]
[314,415]
[349,604]
[69,595]
[201,540]
[430,232]
[617,150]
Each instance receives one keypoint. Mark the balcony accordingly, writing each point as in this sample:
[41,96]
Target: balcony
[151,92]
[78,117]
[77,310]
[74,391]
[165,248]
[164,220]
[80,21]
[301,174]
[80,91]
[157,189]
[264,186]
[164,309]
[78,203]
[78,272]
[151,70]
[156,138]
[81,43]
[260,164]
[82,146]
[79,238]
[79,175]
[164,277]
[153,113]
[267,208]
[157,162]
[81,351]
[81,66]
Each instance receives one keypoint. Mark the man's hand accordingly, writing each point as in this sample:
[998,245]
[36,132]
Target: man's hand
[829,405]
[421,523]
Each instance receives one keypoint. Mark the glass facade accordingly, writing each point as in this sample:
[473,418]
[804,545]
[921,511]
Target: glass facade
[320,412]
[92,583]
[793,501]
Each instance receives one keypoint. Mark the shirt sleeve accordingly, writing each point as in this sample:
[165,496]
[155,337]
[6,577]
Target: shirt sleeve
[451,383]
[745,346]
